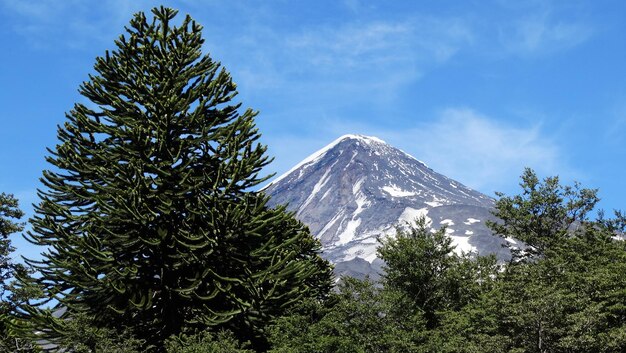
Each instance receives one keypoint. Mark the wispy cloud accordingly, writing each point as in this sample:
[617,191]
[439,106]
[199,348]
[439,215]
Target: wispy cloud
[538,35]
[356,46]
[349,64]
[479,151]
[615,130]
[306,70]
[69,23]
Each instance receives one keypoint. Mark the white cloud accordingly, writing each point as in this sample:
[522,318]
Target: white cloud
[352,47]
[479,151]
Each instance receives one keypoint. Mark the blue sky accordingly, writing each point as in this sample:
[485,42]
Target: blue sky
[476,89]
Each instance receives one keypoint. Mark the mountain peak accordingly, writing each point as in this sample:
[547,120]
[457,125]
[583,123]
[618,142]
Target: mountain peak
[321,152]
[369,141]
[358,188]
[358,137]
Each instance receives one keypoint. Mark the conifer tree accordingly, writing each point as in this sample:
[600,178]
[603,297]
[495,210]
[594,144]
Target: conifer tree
[147,213]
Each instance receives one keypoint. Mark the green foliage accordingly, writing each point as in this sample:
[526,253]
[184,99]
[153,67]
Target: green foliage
[359,318]
[424,283]
[565,303]
[12,338]
[569,299]
[475,328]
[10,296]
[421,265]
[81,335]
[543,214]
[147,216]
[205,342]
[9,215]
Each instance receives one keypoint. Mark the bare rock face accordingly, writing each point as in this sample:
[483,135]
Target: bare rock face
[359,188]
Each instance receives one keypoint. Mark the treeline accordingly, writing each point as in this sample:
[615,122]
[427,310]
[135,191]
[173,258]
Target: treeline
[152,240]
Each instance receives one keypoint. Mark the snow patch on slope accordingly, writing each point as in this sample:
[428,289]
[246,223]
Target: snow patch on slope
[361,204]
[462,244]
[510,240]
[447,222]
[395,191]
[357,186]
[330,224]
[471,221]
[348,233]
[436,202]
[365,251]
[411,214]
[360,199]
[318,186]
[326,193]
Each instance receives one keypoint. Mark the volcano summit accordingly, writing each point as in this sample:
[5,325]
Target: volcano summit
[359,188]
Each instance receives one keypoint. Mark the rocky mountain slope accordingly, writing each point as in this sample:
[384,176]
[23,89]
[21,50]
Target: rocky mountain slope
[359,188]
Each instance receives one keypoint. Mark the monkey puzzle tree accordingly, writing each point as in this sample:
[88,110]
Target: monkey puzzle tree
[147,215]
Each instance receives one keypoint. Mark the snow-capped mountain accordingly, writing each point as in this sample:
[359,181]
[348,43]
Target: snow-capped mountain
[358,188]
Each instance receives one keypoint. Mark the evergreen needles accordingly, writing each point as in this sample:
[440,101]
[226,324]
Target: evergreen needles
[147,213]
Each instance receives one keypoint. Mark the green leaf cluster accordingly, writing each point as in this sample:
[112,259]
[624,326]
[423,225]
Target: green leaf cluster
[360,317]
[543,215]
[422,266]
[9,217]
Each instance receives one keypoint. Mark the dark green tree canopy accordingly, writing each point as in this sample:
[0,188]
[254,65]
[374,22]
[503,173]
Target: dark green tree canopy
[544,214]
[9,216]
[422,265]
[148,216]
